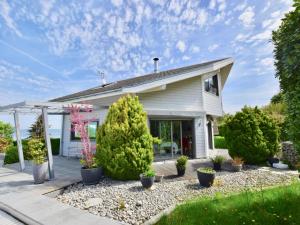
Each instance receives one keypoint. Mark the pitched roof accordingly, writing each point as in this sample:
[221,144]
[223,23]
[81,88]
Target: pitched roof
[114,86]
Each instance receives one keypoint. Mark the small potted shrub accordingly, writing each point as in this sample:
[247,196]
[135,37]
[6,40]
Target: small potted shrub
[206,176]
[217,161]
[39,165]
[147,178]
[237,164]
[181,165]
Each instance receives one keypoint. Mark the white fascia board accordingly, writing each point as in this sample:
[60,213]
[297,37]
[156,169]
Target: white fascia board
[147,86]
[97,96]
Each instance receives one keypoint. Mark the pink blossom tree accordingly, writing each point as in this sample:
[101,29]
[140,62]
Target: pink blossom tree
[80,124]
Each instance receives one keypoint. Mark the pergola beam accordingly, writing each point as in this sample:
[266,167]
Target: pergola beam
[19,141]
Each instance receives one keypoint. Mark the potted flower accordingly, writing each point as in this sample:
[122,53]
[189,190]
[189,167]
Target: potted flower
[206,176]
[91,172]
[181,165]
[217,161]
[237,164]
[37,152]
[147,178]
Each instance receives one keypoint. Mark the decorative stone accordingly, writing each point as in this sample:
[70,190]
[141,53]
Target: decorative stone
[280,165]
[103,199]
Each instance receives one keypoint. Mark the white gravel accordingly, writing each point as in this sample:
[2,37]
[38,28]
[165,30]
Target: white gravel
[130,203]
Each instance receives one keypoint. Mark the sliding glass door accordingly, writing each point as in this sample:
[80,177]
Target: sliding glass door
[172,135]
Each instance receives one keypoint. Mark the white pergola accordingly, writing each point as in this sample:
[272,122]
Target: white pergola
[53,108]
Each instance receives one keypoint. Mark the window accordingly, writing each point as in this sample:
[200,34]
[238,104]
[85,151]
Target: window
[211,85]
[92,130]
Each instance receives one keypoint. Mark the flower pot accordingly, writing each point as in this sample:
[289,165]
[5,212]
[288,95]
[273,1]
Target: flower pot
[158,178]
[180,171]
[217,166]
[273,160]
[147,182]
[206,179]
[39,172]
[237,168]
[91,176]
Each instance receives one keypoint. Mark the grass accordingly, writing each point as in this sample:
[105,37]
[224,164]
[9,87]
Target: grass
[219,142]
[276,206]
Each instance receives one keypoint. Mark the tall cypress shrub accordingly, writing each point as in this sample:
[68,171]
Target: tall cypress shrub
[124,143]
[287,61]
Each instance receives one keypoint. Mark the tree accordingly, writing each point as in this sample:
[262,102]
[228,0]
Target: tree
[287,54]
[37,129]
[252,135]
[124,143]
[6,132]
[278,98]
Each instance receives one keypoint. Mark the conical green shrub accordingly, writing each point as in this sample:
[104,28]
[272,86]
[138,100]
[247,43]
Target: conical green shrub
[124,143]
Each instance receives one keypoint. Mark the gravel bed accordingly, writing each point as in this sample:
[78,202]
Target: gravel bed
[130,203]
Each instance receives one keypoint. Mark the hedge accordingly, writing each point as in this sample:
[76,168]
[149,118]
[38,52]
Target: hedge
[11,155]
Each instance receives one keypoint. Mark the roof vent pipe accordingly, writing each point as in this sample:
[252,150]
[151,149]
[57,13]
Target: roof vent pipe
[155,60]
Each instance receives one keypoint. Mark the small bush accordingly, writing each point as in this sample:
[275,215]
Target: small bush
[124,142]
[206,170]
[218,159]
[182,161]
[11,155]
[149,173]
[37,150]
[220,142]
[252,135]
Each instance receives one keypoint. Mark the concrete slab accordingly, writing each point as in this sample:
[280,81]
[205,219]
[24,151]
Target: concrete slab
[24,199]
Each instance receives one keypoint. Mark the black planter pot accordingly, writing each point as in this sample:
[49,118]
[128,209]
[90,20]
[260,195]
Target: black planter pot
[147,182]
[91,176]
[217,166]
[180,171]
[272,160]
[206,179]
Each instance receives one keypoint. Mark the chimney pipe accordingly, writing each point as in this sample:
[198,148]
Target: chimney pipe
[102,75]
[155,60]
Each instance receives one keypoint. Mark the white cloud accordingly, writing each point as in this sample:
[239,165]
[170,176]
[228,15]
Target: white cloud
[181,46]
[202,17]
[240,6]
[222,5]
[213,47]
[268,62]
[247,17]
[267,6]
[185,58]
[117,3]
[195,49]
[5,13]
[212,4]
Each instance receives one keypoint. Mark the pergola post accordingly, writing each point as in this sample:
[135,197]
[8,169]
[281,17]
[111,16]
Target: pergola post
[19,141]
[48,142]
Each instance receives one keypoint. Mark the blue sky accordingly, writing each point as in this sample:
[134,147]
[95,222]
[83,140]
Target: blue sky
[52,48]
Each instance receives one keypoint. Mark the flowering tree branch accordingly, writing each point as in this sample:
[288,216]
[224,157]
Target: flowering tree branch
[80,125]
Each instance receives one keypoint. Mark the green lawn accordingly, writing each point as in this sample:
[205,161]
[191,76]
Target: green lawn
[219,142]
[273,206]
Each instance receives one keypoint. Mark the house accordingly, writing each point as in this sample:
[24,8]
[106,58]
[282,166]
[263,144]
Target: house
[181,106]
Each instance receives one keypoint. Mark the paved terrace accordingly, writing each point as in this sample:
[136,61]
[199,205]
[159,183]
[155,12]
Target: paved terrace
[23,199]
